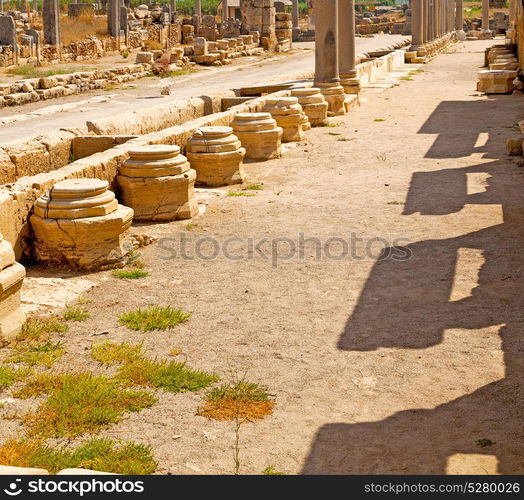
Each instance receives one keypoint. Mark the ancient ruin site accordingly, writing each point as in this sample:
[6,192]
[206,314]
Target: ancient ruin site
[261,237]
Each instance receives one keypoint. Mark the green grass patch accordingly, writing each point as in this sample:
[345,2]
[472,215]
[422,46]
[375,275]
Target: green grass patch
[182,72]
[103,455]
[109,353]
[406,78]
[167,375]
[9,375]
[379,120]
[39,353]
[129,275]
[76,313]
[41,328]
[271,471]
[154,318]
[240,193]
[80,403]
[255,187]
[332,124]
[333,133]
[345,139]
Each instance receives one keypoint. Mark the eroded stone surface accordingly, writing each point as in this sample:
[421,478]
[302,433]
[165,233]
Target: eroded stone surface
[313,104]
[78,223]
[216,154]
[158,184]
[289,115]
[259,135]
[496,81]
[12,276]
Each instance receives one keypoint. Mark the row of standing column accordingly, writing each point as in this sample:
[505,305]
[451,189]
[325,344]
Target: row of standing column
[433,19]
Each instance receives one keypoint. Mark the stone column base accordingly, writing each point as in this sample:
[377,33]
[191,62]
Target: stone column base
[91,243]
[11,315]
[334,95]
[350,83]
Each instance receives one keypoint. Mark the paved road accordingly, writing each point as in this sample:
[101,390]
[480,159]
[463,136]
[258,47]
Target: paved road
[41,117]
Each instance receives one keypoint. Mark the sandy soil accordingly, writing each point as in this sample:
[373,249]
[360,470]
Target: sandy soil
[379,364]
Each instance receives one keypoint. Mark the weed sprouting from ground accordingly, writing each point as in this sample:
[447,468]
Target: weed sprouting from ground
[104,455]
[271,471]
[76,313]
[109,353]
[167,375]
[80,403]
[40,328]
[38,353]
[243,400]
[9,375]
[255,187]
[154,318]
[379,120]
[240,193]
[129,275]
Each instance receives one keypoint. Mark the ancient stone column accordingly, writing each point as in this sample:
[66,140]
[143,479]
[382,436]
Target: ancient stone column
[35,5]
[346,46]
[113,17]
[314,105]
[326,55]
[259,135]
[417,25]
[295,12]
[8,34]
[51,19]
[485,15]
[198,8]
[289,115]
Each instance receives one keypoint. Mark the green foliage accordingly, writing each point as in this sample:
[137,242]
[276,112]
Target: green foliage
[130,275]
[9,375]
[103,455]
[109,353]
[154,318]
[168,375]
[244,391]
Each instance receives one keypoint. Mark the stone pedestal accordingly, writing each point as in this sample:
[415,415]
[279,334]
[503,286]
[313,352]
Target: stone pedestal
[496,81]
[334,95]
[289,115]
[158,183]
[216,155]
[259,135]
[346,47]
[12,276]
[78,223]
[313,104]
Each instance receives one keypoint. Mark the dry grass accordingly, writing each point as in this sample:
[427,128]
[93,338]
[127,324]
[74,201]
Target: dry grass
[9,375]
[242,401]
[36,328]
[76,313]
[78,28]
[154,318]
[37,353]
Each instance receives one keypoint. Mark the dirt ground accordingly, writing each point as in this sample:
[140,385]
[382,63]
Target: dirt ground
[395,358]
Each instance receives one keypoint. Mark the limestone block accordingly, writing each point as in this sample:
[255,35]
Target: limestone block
[29,157]
[144,57]
[12,276]
[200,46]
[7,168]
[78,223]
[514,147]
[289,115]
[496,81]
[216,155]
[47,82]
[313,104]
[259,135]
[334,95]
[7,470]
[158,184]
